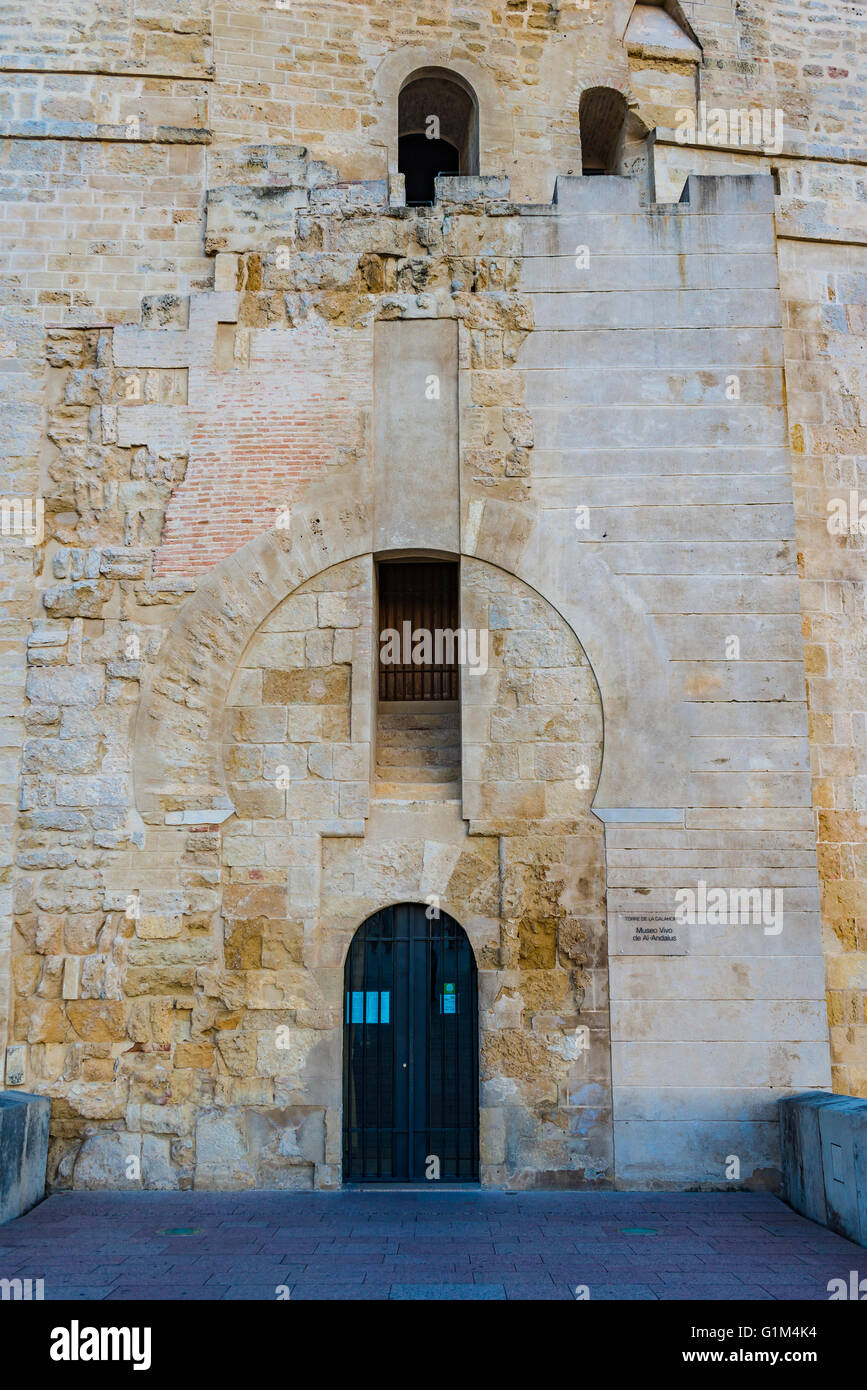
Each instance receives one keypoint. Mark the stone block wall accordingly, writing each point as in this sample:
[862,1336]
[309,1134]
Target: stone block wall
[179,405]
[825,1161]
[24,1123]
[247,929]
[184,998]
[155,36]
[196,1037]
[815,80]
[700,525]
[314,75]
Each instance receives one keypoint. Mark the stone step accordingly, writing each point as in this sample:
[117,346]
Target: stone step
[417,791]
[408,706]
[425,725]
[416,755]
[415,772]
[436,737]
[418,750]
[418,714]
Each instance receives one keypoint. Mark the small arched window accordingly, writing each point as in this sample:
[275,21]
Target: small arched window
[438,131]
[602,115]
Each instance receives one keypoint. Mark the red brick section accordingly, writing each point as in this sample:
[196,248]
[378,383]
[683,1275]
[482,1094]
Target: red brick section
[259,434]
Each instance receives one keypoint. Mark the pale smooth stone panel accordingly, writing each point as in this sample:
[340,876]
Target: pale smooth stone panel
[717,308]
[787,1062]
[672,1154]
[675,347]
[643,235]
[729,1020]
[706,979]
[662,271]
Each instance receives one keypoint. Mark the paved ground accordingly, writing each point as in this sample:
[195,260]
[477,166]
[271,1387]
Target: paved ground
[424,1245]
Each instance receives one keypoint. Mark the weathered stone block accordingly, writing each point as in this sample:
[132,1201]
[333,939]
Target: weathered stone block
[263,725]
[85,599]
[103,1160]
[244,943]
[824,1149]
[259,800]
[23,1152]
[97,1020]
[316,686]
[222,1150]
[66,685]
[194,1055]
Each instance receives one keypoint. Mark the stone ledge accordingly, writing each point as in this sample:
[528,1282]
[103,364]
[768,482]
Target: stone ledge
[795,147]
[824,1148]
[23,1151]
[69,64]
[90,130]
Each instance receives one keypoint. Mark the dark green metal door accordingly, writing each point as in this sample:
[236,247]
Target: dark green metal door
[410,1050]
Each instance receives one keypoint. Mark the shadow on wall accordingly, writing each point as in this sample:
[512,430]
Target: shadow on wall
[610,131]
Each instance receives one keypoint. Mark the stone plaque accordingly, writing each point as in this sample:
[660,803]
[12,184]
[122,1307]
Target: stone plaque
[15,1060]
[637,931]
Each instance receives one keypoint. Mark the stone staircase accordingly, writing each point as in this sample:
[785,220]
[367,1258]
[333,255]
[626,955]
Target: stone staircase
[418,750]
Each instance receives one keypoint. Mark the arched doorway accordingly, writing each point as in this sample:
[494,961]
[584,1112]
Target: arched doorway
[602,114]
[410,1050]
[437,131]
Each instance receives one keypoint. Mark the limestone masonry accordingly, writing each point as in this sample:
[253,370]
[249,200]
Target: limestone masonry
[611,374]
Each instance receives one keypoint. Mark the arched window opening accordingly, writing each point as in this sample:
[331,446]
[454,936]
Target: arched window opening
[602,115]
[437,123]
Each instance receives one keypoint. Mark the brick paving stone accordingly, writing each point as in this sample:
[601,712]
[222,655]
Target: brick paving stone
[536,1290]
[336,1291]
[259,1293]
[699,1279]
[426,1292]
[793,1274]
[267,1287]
[80,1293]
[166,1293]
[361,1245]
[752,1292]
[814,1293]
[641,1292]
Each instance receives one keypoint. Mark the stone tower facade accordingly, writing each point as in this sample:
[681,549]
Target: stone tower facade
[612,370]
